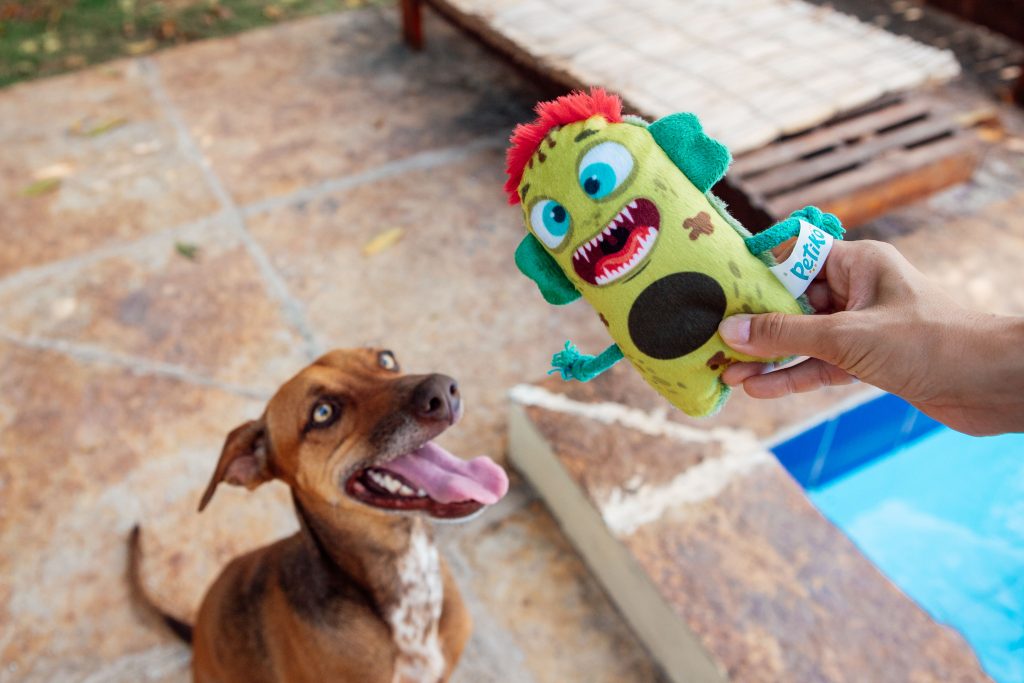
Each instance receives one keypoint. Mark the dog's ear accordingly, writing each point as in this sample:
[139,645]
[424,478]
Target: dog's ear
[243,460]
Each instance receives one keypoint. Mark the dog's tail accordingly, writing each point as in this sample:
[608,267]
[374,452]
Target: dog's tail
[139,594]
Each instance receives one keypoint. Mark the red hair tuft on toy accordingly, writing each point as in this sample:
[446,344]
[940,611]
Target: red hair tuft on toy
[526,138]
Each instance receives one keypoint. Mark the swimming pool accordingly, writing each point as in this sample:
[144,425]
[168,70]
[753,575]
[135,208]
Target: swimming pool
[940,513]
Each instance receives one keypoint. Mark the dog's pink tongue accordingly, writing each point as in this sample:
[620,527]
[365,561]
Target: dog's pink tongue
[448,479]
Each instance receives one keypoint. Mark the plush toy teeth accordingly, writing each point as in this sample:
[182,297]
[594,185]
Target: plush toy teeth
[621,246]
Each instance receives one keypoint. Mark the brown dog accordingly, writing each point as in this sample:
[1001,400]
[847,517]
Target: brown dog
[359,593]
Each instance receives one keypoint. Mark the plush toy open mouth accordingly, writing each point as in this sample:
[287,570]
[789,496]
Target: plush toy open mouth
[431,480]
[621,246]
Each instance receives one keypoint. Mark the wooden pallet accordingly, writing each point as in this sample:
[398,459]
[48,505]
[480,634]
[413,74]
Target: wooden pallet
[858,166]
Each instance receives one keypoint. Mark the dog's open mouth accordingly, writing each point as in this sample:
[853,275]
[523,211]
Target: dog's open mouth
[621,246]
[431,480]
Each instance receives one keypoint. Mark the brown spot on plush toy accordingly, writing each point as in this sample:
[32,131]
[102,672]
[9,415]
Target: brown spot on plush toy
[699,225]
[720,360]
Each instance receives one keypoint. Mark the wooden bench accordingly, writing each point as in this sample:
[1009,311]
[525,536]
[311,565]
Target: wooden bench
[859,165]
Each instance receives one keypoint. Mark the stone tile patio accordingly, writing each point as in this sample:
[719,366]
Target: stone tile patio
[281,154]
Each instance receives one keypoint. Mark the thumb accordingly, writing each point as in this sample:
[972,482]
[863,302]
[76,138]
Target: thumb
[779,335]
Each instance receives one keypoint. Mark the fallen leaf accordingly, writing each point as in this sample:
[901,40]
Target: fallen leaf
[272,12]
[61,169]
[187,249]
[101,128]
[74,61]
[41,187]
[384,240]
[140,47]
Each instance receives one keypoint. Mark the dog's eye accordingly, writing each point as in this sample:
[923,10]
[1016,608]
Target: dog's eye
[323,414]
[386,360]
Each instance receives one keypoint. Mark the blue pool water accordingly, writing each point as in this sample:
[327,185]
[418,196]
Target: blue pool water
[940,513]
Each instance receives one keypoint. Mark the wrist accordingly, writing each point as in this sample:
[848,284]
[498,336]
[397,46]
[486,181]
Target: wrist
[1000,372]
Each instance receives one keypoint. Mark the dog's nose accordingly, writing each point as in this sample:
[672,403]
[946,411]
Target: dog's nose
[437,398]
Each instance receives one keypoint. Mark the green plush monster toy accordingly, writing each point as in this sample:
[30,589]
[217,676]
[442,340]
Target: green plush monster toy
[621,212]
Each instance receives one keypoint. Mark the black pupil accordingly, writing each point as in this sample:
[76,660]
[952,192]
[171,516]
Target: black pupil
[591,185]
[323,411]
[558,213]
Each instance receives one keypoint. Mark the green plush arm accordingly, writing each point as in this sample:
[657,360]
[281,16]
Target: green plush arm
[572,364]
[783,230]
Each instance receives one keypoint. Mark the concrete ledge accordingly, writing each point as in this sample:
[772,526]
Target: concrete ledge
[710,549]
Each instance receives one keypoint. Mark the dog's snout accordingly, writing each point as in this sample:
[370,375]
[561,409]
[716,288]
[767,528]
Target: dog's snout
[437,398]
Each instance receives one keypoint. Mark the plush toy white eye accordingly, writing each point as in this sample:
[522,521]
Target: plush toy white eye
[322,413]
[604,168]
[550,222]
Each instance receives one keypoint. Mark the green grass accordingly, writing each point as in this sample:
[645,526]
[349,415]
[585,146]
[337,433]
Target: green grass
[44,37]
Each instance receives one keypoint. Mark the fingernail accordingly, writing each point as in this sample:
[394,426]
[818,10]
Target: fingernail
[735,330]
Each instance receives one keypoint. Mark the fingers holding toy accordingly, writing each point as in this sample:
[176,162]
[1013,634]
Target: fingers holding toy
[738,373]
[780,335]
[819,296]
[880,320]
[807,375]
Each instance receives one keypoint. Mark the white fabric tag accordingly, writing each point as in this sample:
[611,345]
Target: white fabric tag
[812,247]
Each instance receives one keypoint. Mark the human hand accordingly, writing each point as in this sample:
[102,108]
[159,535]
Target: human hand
[882,321]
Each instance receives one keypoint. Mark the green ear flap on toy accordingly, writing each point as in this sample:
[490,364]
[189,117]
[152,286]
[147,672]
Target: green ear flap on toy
[701,158]
[535,263]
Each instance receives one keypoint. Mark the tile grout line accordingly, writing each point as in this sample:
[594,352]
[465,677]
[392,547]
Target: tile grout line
[293,310]
[27,276]
[90,353]
[417,162]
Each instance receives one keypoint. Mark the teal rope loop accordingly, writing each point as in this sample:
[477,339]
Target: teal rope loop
[571,364]
[783,230]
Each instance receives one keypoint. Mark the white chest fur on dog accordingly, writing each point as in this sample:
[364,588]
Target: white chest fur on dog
[415,619]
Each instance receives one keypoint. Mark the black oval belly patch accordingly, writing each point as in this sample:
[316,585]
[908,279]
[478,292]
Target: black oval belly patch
[676,315]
